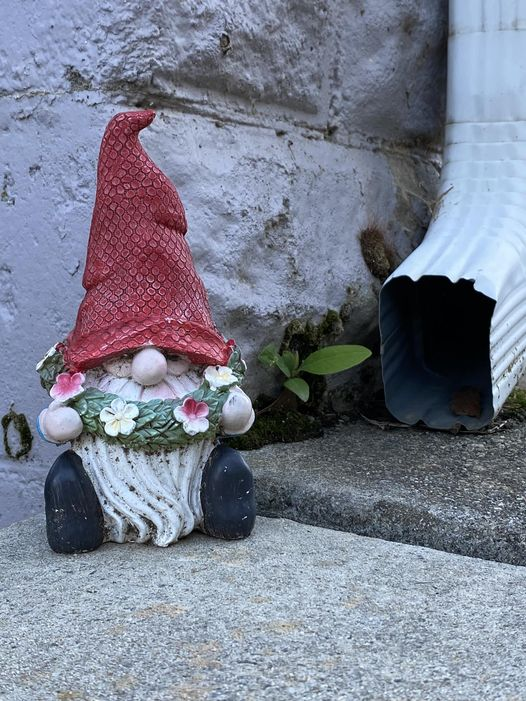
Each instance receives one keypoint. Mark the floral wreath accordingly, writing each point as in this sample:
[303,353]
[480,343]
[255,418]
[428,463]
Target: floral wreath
[157,424]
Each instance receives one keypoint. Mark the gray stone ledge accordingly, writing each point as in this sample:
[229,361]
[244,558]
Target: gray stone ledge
[294,612]
[288,123]
[463,494]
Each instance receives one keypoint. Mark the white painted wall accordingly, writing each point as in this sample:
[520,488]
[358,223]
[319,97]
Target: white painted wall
[322,118]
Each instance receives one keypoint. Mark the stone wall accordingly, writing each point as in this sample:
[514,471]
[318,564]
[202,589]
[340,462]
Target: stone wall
[288,127]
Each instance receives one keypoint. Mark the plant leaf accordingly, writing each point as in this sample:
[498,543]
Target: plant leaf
[299,387]
[327,361]
[283,366]
[268,356]
[291,360]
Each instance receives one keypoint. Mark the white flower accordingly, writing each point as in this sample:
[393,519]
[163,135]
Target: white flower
[118,417]
[192,415]
[219,376]
[50,352]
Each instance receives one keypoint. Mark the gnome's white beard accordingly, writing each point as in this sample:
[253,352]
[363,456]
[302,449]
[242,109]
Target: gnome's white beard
[145,496]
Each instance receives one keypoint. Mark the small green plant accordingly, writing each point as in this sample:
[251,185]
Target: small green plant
[325,361]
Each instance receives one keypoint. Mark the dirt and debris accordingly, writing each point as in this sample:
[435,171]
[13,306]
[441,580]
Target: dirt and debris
[377,254]
[467,401]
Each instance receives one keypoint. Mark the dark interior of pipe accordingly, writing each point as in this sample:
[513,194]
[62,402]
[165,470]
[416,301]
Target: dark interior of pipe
[435,351]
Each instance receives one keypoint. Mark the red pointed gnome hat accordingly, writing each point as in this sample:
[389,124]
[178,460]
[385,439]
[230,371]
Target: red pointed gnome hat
[141,285]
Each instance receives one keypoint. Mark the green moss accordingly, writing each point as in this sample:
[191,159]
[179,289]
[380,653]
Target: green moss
[286,426]
[515,406]
[517,399]
[26,437]
[306,337]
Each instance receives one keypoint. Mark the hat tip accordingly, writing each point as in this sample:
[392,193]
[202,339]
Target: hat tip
[134,121]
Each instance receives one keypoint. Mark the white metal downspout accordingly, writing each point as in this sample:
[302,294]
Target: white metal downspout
[453,315]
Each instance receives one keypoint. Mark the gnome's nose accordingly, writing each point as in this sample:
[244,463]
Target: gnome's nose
[149,367]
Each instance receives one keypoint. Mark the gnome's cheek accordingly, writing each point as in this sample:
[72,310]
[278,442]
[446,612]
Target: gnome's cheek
[60,425]
[238,415]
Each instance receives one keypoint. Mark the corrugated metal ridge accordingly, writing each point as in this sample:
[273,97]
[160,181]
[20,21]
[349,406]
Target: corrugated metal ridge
[508,333]
[506,375]
[437,257]
[484,132]
[512,343]
[492,15]
[490,152]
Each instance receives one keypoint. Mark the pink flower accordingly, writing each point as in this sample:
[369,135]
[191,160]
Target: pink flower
[67,386]
[192,415]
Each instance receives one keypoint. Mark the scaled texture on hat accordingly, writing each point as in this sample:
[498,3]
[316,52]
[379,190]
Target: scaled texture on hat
[141,285]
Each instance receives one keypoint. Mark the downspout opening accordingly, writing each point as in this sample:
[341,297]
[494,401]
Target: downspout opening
[436,351]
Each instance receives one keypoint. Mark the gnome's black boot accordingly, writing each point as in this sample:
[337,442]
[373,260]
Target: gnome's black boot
[227,495]
[74,518]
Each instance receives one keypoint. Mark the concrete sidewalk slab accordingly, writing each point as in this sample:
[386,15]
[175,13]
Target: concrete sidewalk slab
[294,612]
[464,494]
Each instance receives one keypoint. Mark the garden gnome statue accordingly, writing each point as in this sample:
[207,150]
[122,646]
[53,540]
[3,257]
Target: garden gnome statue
[144,383]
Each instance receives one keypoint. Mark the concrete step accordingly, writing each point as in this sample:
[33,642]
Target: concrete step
[294,612]
[464,494]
